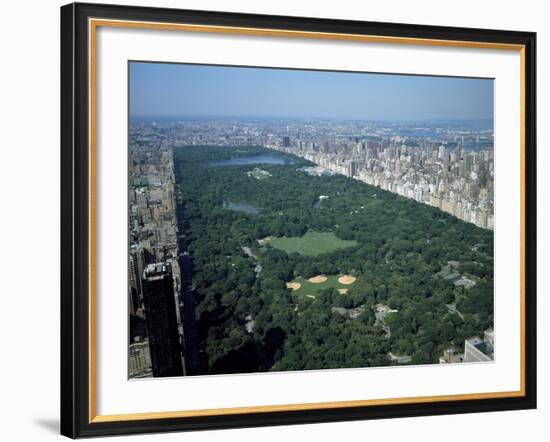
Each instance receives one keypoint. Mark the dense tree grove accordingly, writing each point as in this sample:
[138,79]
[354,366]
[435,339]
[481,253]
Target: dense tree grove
[403,246]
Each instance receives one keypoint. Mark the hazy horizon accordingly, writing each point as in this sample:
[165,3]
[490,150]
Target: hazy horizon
[169,90]
[161,117]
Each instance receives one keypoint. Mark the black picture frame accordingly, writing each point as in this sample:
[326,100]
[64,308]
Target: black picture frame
[75,221]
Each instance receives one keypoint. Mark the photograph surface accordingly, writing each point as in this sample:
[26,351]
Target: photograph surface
[288,220]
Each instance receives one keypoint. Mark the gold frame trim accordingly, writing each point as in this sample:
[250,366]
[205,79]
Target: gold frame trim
[93,24]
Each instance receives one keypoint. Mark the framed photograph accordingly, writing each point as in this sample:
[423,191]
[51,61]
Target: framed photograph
[274,220]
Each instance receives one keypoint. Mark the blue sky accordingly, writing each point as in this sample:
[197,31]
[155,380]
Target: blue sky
[179,90]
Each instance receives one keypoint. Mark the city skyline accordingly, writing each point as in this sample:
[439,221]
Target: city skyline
[164,90]
[261,243]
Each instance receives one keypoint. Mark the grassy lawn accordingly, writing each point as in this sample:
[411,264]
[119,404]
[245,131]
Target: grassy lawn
[259,174]
[309,288]
[312,243]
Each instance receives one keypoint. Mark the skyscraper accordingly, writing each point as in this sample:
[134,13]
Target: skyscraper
[161,320]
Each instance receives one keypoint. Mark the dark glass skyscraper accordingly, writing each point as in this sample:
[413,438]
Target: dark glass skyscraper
[160,314]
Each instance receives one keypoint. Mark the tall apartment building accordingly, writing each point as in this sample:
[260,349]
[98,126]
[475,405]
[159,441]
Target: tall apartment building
[161,320]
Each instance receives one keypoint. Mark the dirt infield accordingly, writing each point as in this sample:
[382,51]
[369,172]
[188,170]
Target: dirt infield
[347,279]
[318,279]
[293,285]
[343,291]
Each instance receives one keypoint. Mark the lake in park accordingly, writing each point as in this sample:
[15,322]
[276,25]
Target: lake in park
[277,160]
[241,207]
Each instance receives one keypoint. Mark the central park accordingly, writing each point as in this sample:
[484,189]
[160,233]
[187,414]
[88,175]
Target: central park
[274,272]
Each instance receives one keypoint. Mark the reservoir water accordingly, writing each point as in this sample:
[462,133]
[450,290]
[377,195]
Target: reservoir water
[277,160]
[241,207]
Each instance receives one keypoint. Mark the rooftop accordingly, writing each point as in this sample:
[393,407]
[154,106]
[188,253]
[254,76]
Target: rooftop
[157,270]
